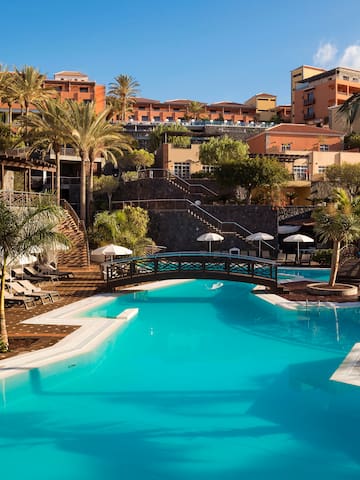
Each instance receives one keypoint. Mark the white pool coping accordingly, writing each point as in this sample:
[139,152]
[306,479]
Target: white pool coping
[92,332]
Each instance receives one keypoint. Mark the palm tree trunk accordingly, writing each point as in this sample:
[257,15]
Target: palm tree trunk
[58,177]
[10,114]
[335,261]
[4,341]
[90,192]
[84,168]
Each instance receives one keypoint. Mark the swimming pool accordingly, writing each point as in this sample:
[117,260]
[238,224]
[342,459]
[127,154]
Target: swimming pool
[289,274]
[202,384]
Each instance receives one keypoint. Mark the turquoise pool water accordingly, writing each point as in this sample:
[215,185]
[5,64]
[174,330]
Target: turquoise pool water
[298,274]
[202,384]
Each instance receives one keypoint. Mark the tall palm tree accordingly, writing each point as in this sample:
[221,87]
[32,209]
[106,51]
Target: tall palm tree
[48,127]
[22,229]
[124,90]
[350,109]
[8,92]
[92,135]
[338,223]
[29,85]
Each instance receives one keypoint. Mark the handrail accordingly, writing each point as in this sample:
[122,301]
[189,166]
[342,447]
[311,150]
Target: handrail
[188,205]
[66,205]
[148,172]
[21,198]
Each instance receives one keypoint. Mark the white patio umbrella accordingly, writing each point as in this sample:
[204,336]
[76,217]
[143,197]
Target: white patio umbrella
[111,251]
[259,236]
[298,238]
[210,237]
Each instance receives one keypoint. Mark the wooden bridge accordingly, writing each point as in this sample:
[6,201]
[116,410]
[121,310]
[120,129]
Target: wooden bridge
[202,265]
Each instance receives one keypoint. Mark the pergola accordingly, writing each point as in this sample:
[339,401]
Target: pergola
[18,161]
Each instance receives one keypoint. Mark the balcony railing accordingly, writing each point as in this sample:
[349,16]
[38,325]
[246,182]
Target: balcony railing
[26,199]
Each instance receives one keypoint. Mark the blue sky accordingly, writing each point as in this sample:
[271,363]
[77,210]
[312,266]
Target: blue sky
[203,50]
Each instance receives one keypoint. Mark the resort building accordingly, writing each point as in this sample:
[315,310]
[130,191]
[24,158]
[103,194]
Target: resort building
[265,106]
[68,85]
[298,75]
[313,96]
[149,110]
[287,137]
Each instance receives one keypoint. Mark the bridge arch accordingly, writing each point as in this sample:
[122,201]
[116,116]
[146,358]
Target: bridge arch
[197,265]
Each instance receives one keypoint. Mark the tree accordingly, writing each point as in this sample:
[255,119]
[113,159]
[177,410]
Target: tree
[91,135]
[138,159]
[234,167]
[127,227]
[195,109]
[167,134]
[106,184]
[123,92]
[338,223]
[22,229]
[349,110]
[48,127]
[346,176]
[29,87]
[223,150]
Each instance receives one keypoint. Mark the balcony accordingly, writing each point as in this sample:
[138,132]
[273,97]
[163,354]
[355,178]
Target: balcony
[309,101]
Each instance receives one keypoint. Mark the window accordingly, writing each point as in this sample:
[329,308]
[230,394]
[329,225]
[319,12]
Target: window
[208,168]
[300,172]
[156,108]
[324,148]
[141,108]
[169,119]
[285,147]
[345,77]
[156,119]
[84,89]
[322,169]
[144,118]
[182,169]
[87,100]
[59,88]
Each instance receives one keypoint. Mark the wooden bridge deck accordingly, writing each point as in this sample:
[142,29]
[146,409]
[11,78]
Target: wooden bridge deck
[134,270]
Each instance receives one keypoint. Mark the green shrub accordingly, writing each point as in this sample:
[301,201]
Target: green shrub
[323,256]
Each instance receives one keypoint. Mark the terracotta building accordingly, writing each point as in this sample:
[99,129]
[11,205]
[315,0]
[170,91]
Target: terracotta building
[68,85]
[149,110]
[298,75]
[313,96]
[286,137]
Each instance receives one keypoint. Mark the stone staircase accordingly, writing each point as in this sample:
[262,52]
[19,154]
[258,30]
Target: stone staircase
[74,229]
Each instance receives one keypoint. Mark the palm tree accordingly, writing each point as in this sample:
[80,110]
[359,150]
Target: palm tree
[29,85]
[123,92]
[22,229]
[48,127]
[338,223]
[8,92]
[91,135]
[349,109]
[195,109]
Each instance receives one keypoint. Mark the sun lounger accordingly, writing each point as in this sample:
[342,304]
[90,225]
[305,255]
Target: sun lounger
[20,290]
[48,269]
[305,259]
[19,273]
[290,258]
[11,299]
[281,258]
[33,288]
[32,271]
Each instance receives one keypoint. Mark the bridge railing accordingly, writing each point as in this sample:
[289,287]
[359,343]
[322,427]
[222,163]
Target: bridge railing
[191,265]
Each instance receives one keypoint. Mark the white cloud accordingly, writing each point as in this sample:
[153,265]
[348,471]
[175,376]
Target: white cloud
[350,57]
[325,55]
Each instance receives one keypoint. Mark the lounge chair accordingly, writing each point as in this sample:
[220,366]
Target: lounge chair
[290,258]
[20,290]
[32,271]
[20,274]
[11,299]
[33,288]
[48,269]
[305,259]
[281,257]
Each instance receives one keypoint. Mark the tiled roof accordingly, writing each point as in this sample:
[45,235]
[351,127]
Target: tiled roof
[66,72]
[294,128]
[179,100]
[145,100]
